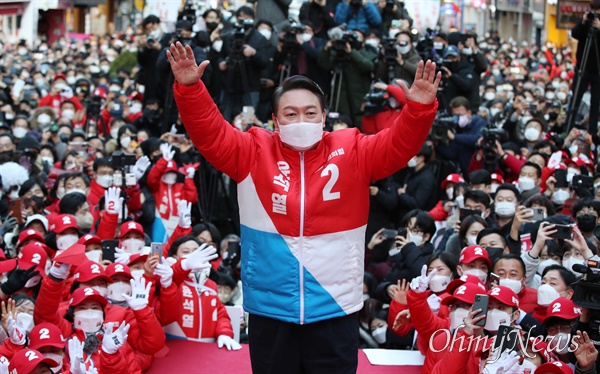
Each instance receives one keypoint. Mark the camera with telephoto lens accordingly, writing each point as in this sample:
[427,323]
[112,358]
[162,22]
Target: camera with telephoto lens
[339,45]
[491,135]
[591,16]
[389,5]
[289,42]
[376,101]
[238,39]
[188,13]
[587,291]
[389,50]
[443,122]
[94,106]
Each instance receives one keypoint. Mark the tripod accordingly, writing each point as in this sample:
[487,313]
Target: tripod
[336,88]
[578,90]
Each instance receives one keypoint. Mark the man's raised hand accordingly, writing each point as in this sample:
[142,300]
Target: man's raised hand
[183,64]
[425,85]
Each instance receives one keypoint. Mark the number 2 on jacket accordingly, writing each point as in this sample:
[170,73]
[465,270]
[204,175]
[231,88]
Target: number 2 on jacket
[334,171]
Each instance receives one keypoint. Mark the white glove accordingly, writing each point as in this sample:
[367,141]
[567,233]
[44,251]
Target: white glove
[113,202]
[420,284]
[165,272]
[167,152]
[184,210]
[66,91]
[190,172]
[229,343]
[140,167]
[113,340]
[92,370]
[434,303]
[4,365]
[76,356]
[16,333]
[507,363]
[140,294]
[121,256]
[60,271]
[200,258]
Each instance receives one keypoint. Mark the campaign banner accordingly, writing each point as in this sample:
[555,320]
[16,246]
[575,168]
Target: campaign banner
[568,13]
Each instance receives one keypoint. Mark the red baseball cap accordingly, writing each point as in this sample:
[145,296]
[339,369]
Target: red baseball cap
[577,161]
[89,239]
[554,367]
[504,295]
[136,96]
[465,293]
[171,166]
[542,347]
[59,76]
[562,308]
[472,253]
[26,360]
[100,91]
[452,178]
[466,278]
[498,178]
[63,222]
[30,234]
[31,255]
[46,334]
[86,293]
[8,265]
[137,257]
[118,269]
[90,270]
[131,226]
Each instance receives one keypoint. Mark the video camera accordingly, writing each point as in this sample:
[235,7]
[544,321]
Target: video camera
[376,101]
[491,135]
[389,50]
[591,16]
[587,291]
[442,123]
[119,160]
[94,106]
[290,43]
[339,45]
[239,39]
[188,13]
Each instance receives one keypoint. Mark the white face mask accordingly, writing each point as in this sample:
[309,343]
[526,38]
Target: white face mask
[457,317]
[26,321]
[574,151]
[135,108]
[56,357]
[392,33]
[43,119]
[560,196]
[494,187]
[417,239]
[471,239]
[302,136]
[532,134]
[550,95]
[438,45]
[544,264]
[117,289]
[94,255]
[546,295]
[467,51]
[513,284]
[526,183]
[438,283]
[19,132]
[89,320]
[403,50]
[304,38]
[133,245]
[101,290]
[568,263]
[505,209]
[114,132]
[86,221]
[494,111]
[65,241]
[68,113]
[463,120]
[137,274]
[379,334]
[125,142]
[495,318]
[412,162]
[450,193]
[105,68]
[169,178]
[372,42]
[48,160]
[489,96]
[560,343]
[104,180]
[217,45]
[482,275]
[266,33]
[34,281]
[562,96]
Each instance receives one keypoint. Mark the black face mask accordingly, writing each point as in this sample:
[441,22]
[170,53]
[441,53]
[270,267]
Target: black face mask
[494,253]
[151,114]
[211,25]
[6,156]
[586,222]
[552,116]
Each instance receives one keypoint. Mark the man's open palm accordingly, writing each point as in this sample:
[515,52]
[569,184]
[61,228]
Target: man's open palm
[425,85]
[183,64]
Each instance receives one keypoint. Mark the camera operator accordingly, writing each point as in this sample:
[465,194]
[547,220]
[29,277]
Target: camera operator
[458,77]
[211,40]
[462,141]
[356,73]
[149,46]
[319,14]
[357,14]
[253,58]
[183,35]
[405,64]
[470,52]
[589,25]
[393,10]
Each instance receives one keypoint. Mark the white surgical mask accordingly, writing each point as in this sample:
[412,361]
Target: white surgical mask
[560,343]
[101,290]
[438,45]
[372,42]
[561,95]
[89,320]
[505,209]
[76,190]
[544,264]
[68,113]
[137,274]
[217,45]
[403,49]
[471,239]
[56,357]
[412,162]
[560,196]
[379,334]
[550,95]
[133,246]
[574,151]
[169,178]
[117,289]
[532,134]
[392,33]
[482,275]
[104,68]
[94,255]
[19,132]
[438,283]
[457,317]
[104,180]
[463,120]
[546,295]
[43,119]
[25,320]
[450,192]
[65,241]
[114,132]
[301,135]
[494,111]
[568,263]
[48,160]
[513,284]
[135,108]
[526,183]
[495,318]
[417,239]
[467,51]
[125,142]
[304,38]
[266,33]
[489,96]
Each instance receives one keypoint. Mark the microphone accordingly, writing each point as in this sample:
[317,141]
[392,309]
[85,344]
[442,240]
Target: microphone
[580,268]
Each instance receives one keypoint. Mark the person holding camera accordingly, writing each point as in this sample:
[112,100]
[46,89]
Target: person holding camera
[405,64]
[357,14]
[319,14]
[393,10]
[149,46]
[458,77]
[588,27]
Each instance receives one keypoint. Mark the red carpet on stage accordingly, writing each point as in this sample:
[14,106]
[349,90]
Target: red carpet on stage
[191,357]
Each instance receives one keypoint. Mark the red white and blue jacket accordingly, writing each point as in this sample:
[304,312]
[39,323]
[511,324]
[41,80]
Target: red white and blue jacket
[303,214]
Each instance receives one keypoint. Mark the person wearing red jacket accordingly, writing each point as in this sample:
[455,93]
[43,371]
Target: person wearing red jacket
[28,361]
[511,270]
[442,209]
[47,339]
[299,188]
[162,181]
[384,119]
[59,92]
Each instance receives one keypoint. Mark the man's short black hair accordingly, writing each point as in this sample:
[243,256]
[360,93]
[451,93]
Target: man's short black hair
[71,202]
[298,82]
[491,231]
[150,19]
[512,256]
[100,162]
[480,176]
[478,197]
[244,10]
[585,203]
[209,11]
[265,22]
[538,169]
[460,101]
[509,187]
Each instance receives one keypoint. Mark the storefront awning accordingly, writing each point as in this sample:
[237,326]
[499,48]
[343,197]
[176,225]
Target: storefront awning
[12,8]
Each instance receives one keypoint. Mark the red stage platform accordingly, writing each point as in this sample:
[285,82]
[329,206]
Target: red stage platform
[190,357]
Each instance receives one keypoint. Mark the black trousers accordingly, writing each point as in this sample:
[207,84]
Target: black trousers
[329,346]
[593,81]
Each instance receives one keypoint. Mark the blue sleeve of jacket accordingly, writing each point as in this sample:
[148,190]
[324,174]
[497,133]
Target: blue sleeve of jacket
[341,13]
[372,14]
